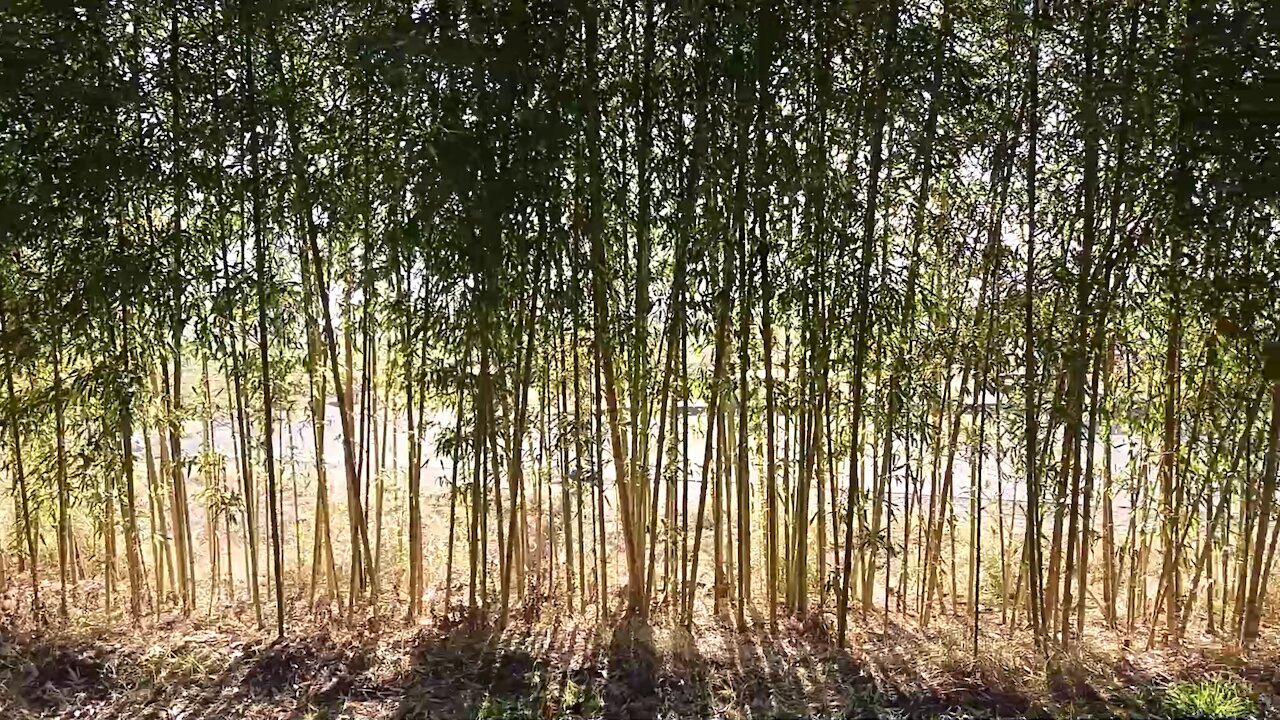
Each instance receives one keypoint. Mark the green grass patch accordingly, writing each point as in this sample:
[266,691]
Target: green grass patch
[1217,697]
[496,708]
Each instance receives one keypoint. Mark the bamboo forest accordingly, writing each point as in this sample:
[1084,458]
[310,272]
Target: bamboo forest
[639,358]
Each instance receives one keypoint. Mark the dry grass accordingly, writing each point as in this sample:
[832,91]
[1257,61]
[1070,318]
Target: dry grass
[560,665]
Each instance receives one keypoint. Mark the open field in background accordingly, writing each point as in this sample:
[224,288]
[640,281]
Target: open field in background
[1003,505]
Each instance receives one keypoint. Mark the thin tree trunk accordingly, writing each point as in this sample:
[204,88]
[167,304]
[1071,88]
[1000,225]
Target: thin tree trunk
[19,475]
[764,98]
[1253,607]
[1030,373]
[64,495]
[133,548]
[603,335]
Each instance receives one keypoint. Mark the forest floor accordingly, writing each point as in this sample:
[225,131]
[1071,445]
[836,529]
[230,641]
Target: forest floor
[561,664]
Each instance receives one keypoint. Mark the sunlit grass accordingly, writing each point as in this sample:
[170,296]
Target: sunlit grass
[1208,698]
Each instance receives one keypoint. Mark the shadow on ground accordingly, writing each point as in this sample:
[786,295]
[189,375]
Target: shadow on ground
[571,668]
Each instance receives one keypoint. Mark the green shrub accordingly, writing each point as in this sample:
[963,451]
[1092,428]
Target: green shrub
[1218,697]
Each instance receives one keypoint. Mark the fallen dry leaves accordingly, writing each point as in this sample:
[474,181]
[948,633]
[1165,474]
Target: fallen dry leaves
[560,665]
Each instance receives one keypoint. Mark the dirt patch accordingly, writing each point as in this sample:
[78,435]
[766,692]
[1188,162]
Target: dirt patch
[318,668]
[45,674]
